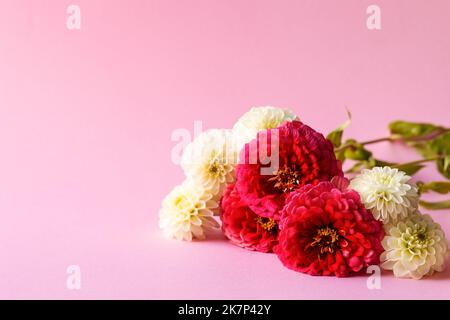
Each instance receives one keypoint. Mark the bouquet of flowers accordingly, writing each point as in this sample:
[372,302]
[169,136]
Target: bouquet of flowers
[278,186]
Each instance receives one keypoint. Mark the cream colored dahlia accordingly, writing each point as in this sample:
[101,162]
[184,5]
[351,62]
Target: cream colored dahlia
[260,118]
[415,247]
[187,212]
[210,160]
[387,192]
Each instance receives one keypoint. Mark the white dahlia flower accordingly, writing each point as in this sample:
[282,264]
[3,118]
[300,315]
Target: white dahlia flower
[187,212]
[415,247]
[210,160]
[387,192]
[260,118]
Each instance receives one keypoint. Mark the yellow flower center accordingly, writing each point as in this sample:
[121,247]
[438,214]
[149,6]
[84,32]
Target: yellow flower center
[286,179]
[421,237]
[267,224]
[326,239]
[214,168]
[181,201]
[270,124]
[416,241]
[386,179]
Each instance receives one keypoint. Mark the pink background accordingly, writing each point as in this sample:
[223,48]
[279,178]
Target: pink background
[86,119]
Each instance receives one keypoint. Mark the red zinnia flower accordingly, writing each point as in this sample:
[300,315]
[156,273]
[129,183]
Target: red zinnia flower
[304,157]
[327,231]
[243,227]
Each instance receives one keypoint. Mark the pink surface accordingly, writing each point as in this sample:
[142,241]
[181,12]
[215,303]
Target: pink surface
[86,119]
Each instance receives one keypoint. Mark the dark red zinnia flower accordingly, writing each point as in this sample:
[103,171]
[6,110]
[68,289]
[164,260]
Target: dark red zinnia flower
[327,231]
[243,227]
[304,157]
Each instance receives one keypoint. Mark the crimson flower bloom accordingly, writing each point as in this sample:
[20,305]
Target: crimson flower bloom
[327,231]
[304,157]
[243,227]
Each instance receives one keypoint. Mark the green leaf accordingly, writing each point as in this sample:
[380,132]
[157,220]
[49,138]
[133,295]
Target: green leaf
[423,148]
[381,163]
[435,205]
[409,168]
[407,130]
[357,152]
[340,155]
[335,136]
[441,147]
[442,187]
[441,144]
[446,164]
[443,166]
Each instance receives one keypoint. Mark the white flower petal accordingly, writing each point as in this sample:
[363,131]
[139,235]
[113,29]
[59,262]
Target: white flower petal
[260,118]
[387,193]
[186,213]
[415,247]
[209,161]
[399,270]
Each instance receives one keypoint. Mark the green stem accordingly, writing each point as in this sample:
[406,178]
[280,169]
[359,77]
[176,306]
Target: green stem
[441,205]
[417,162]
[398,138]
[345,146]
[427,137]
[376,140]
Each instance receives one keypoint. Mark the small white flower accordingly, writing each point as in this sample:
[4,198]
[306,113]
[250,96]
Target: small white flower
[210,160]
[187,212]
[415,247]
[260,118]
[387,193]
